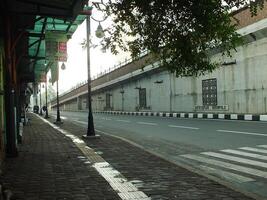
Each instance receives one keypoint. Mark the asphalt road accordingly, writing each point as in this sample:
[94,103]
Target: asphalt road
[233,151]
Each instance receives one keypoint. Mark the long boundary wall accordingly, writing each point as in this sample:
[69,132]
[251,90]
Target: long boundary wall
[240,82]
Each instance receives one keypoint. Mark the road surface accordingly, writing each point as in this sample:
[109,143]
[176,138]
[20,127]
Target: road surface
[233,151]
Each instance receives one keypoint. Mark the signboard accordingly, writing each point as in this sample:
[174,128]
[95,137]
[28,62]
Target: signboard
[56,46]
[62,51]
[56,50]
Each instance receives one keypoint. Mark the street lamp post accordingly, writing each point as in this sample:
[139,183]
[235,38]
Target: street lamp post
[46,111]
[90,129]
[99,33]
[58,120]
[41,112]
[58,112]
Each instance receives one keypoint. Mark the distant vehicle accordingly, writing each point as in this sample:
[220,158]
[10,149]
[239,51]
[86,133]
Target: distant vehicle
[36,109]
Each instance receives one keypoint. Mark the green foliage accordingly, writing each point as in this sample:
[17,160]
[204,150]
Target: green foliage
[51,93]
[177,32]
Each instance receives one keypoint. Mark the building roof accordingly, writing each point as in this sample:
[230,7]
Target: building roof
[31,19]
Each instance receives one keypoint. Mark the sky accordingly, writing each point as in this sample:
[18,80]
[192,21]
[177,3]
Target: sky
[76,66]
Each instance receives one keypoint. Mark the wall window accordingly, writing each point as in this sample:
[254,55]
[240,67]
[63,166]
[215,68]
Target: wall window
[209,92]
[79,103]
[108,100]
[142,98]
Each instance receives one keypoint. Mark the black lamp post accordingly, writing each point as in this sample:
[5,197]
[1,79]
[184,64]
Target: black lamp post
[46,111]
[41,112]
[58,120]
[90,128]
[99,33]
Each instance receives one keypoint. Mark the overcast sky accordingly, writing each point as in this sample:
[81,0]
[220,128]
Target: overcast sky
[76,66]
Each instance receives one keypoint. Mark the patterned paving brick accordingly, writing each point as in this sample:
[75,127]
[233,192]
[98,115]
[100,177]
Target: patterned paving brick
[49,167]
[159,179]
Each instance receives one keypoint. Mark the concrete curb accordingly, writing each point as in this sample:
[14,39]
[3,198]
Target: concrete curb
[245,117]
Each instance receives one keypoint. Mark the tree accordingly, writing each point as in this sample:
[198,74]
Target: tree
[180,33]
[51,93]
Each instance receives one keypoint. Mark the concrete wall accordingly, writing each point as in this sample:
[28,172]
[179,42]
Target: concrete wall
[241,87]
[241,83]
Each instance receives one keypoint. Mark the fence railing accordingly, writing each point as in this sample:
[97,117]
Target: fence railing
[107,71]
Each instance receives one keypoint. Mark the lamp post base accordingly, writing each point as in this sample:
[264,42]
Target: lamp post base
[58,122]
[89,137]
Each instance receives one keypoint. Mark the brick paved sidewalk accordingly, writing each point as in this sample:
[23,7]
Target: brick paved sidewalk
[49,167]
[156,177]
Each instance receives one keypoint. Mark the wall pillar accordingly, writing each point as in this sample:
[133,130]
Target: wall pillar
[10,86]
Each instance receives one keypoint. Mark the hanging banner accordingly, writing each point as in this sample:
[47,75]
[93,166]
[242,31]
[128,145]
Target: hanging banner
[56,50]
[56,46]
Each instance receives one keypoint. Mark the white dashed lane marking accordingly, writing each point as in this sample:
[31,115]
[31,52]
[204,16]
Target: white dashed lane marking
[147,123]
[241,132]
[120,120]
[185,127]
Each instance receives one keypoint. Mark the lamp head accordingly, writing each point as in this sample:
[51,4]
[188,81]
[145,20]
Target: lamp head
[99,31]
[63,66]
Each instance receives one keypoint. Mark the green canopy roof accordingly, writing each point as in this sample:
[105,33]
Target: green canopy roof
[37,40]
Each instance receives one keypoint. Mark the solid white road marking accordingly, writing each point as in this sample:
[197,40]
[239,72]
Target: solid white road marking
[186,127]
[234,167]
[126,190]
[227,175]
[242,153]
[146,123]
[120,120]
[236,159]
[254,149]
[241,132]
